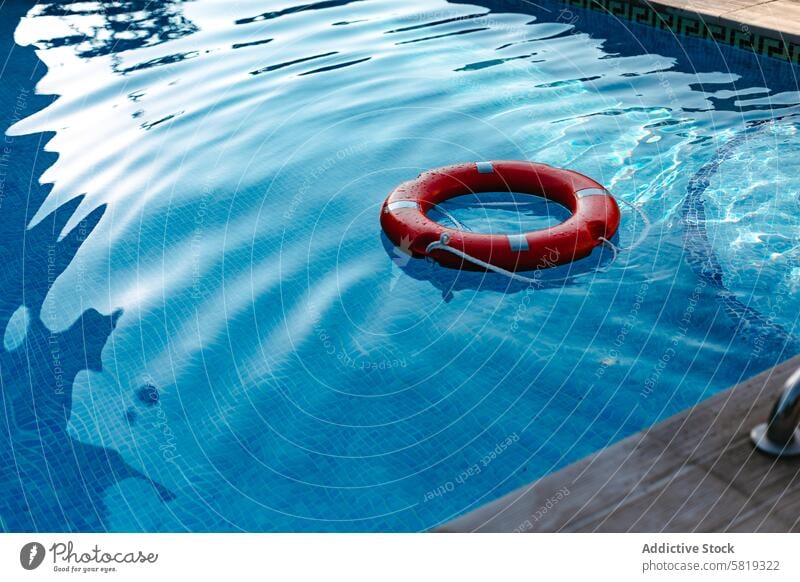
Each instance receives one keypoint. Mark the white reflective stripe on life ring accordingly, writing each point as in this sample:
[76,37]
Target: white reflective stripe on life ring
[401,204]
[518,242]
[592,192]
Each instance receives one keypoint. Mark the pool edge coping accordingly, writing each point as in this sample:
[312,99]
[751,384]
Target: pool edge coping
[665,478]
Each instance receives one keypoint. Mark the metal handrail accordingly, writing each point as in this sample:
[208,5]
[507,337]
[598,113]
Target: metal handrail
[779,436]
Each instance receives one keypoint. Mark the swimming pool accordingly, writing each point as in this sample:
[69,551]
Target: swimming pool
[225,341]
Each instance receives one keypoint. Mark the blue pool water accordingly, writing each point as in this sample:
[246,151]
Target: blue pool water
[204,328]
[499,213]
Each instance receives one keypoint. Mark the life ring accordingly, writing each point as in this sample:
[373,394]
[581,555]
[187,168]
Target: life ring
[595,217]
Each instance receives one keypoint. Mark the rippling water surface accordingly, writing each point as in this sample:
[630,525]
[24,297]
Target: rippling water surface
[274,363]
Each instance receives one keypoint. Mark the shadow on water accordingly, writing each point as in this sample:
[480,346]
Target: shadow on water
[127,24]
[49,481]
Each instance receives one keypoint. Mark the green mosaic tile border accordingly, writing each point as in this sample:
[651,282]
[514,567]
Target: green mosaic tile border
[691,25]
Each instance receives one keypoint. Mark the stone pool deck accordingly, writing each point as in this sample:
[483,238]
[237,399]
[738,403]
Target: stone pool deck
[773,17]
[767,27]
[696,471]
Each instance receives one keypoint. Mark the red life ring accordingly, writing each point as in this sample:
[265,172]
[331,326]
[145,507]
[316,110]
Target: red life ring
[595,216]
